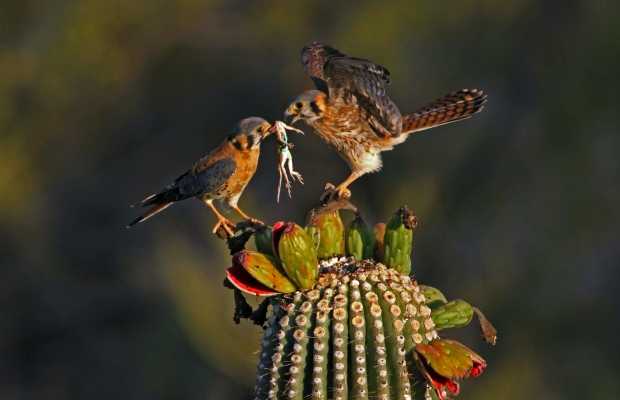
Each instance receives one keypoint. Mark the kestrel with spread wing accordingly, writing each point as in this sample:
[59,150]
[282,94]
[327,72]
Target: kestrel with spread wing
[221,174]
[351,112]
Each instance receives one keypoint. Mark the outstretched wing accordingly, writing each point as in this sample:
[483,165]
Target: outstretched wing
[198,180]
[341,76]
[313,59]
[451,108]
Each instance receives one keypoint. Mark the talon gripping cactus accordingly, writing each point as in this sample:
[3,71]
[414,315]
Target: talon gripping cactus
[356,329]
[359,239]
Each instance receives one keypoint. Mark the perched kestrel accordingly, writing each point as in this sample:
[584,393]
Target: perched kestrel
[351,112]
[221,174]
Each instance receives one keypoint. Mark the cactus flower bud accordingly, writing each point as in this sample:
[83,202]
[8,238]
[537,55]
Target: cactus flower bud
[359,239]
[265,269]
[331,240]
[397,240]
[454,314]
[295,249]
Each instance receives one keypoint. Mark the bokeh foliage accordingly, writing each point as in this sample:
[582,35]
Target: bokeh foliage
[104,102]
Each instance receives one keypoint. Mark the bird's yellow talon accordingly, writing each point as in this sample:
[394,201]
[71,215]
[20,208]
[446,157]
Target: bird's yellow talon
[227,225]
[254,221]
[343,193]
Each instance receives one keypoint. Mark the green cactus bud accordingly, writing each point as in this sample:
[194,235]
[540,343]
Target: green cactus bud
[379,231]
[331,235]
[296,251]
[315,235]
[265,269]
[434,298]
[359,239]
[397,240]
[454,314]
[263,243]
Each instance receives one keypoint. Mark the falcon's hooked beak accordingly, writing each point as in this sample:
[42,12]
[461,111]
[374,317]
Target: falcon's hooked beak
[268,129]
[288,114]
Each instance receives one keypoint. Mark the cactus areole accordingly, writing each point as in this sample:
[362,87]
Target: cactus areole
[349,328]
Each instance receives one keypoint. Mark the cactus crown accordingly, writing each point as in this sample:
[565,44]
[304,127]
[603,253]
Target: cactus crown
[348,321]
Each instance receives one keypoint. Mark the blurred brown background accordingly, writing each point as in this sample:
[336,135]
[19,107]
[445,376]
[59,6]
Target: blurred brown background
[103,102]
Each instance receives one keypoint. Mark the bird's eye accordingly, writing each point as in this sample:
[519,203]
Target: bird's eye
[259,129]
[298,105]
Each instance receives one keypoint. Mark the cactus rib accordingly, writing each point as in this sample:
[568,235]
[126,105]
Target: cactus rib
[376,361]
[322,370]
[357,350]
[355,335]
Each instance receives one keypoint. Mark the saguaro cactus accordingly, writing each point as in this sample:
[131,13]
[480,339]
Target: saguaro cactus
[352,327]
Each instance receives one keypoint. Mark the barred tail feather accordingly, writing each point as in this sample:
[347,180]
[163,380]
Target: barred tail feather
[451,108]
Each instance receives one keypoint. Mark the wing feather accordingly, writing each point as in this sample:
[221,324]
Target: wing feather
[194,182]
[354,79]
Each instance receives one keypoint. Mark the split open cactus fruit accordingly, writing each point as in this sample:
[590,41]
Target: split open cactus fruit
[354,326]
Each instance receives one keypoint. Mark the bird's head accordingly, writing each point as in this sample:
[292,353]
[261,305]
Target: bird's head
[307,106]
[248,133]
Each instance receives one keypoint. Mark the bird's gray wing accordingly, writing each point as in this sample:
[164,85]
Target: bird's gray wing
[192,184]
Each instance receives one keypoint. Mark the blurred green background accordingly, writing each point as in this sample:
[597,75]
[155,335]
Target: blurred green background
[103,102]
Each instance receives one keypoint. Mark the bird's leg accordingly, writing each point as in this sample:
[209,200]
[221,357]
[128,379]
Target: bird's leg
[246,218]
[221,221]
[340,191]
